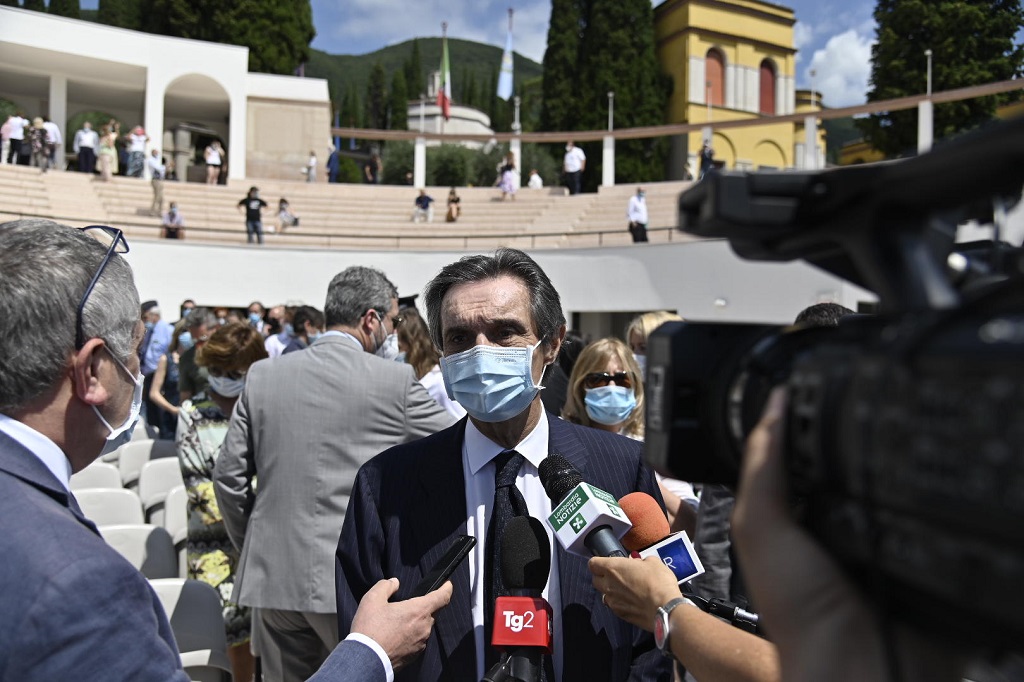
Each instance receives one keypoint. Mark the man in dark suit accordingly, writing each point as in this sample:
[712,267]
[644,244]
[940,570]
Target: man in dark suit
[70,606]
[498,322]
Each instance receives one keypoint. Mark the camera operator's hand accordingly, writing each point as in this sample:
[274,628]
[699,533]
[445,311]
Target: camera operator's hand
[708,647]
[822,625]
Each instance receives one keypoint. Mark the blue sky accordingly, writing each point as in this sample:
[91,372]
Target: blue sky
[833,37]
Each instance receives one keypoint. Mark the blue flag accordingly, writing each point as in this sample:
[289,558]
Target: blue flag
[505,75]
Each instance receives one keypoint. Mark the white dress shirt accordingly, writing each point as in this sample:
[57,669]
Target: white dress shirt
[637,211]
[86,138]
[52,457]
[478,469]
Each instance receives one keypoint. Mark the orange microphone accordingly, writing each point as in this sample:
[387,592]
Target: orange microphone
[648,518]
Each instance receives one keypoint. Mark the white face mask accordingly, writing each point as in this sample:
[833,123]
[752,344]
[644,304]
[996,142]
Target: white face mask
[388,348]
[123,433]
[642,361]
[227,387]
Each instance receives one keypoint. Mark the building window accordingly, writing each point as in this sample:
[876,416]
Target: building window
[714,80]
[767,96]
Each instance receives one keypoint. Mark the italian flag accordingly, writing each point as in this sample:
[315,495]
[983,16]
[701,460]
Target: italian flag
[444,93]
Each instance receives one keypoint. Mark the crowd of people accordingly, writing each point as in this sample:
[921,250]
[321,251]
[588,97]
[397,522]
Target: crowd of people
[331,457]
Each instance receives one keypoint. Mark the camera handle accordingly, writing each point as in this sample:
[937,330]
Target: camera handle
[727,611]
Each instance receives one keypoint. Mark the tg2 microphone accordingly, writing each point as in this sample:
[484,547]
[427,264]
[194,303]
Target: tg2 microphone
[585,519]
[522,622]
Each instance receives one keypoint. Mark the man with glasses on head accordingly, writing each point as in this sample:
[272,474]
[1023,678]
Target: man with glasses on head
[302,426]
[70,606]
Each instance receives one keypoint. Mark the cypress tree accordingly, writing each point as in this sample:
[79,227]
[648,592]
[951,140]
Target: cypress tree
[120,13]
[399,102]
[972,42]
[65,8]
[415,84]
[9,3]
[561,59]
[376,98]
[37,5]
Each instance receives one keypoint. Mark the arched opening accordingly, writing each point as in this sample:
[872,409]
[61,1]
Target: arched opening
[767,88]
[196,111]
[714,77]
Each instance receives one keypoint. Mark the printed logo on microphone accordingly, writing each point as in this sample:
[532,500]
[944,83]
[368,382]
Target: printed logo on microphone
[677,552]
[578,523]
[572,503]
[518,622]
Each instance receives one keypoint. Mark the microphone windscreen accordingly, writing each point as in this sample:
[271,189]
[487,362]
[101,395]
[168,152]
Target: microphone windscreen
[525,554]
[558,476]
[648,519]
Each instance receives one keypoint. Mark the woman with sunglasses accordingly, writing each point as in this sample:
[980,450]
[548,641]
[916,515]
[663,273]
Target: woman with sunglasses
[606,392]
[202,425]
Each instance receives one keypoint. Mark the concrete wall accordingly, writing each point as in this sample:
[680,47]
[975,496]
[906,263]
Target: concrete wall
[280,136]
[703,280]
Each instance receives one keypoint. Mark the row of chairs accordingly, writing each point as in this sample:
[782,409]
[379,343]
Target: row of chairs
[129,458]
[155,479]
[194,609]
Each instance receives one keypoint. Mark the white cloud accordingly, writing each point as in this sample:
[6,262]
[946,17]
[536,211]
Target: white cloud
[842,68]
[803,34]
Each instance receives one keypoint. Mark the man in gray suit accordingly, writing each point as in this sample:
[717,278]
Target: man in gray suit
[304,425]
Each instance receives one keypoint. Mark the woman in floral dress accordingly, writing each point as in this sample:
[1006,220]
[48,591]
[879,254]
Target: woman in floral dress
[202,425]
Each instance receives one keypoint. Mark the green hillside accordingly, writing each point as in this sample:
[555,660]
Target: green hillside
[469,61]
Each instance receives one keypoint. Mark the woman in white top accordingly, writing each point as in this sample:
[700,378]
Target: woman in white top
[606,391]
[416,348]
[213,155]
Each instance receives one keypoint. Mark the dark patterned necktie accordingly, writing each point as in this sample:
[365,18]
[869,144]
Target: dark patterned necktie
[508,502]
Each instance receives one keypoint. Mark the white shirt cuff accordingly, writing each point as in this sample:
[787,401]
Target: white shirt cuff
[389,671]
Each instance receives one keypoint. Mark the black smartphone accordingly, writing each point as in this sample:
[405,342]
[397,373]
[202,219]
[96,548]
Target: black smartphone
[444,568]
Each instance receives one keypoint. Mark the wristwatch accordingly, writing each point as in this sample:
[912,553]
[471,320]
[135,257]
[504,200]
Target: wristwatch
[662,628]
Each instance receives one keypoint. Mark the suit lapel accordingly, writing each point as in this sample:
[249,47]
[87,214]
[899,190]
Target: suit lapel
[21,463]
[443,487]
[574,577]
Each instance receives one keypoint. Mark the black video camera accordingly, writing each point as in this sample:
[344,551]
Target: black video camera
[905,429]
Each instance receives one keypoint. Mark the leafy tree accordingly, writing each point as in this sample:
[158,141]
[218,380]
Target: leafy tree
[561,61]
[9,3]
[399,102]
[972,42]
[397,157]
[448,165]
[120,13]
[277,32]
[37,5]
[65,8]
[415,83]
[377,99]
[601,46]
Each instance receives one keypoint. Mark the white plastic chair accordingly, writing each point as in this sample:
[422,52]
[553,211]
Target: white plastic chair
[137,453]
[106,506]
[176,523]
[148,548]
[194,609]
[156,478]
[97,475]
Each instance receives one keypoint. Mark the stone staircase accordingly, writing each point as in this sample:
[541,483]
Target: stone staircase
[341,216]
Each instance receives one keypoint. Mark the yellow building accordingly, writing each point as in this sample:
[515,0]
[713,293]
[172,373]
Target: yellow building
[732,60]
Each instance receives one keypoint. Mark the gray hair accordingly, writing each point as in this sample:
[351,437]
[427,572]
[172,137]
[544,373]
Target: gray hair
[355,290]
[45,268]
[199,317]
[545,304]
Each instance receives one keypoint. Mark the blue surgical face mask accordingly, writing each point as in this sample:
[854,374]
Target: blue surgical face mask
[492,383]
[289,329]
[148,325]
[609,405]
[123,433]
[313,337]
[185,341]
[400,357]
[227,387]
[388,348]
[255,318]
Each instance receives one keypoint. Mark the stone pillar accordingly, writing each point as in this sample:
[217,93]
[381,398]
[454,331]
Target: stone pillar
[153,116]
[924,126]
[608,162]
[237,124]
[58,112]
[419,163]
[811,143]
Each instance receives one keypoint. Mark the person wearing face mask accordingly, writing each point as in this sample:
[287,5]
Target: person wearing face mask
[606,391]
[303,424]
[642,326]
[70,387]
[308,323]
[636,212]
[498,322]
[202,424]
[155,342]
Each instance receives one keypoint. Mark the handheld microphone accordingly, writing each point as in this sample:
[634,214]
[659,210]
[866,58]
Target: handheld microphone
[650,536]
[586,520]
[522,623]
